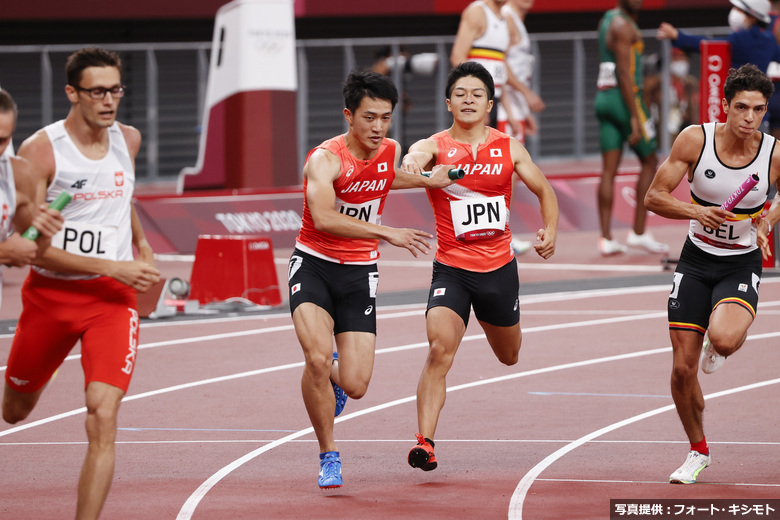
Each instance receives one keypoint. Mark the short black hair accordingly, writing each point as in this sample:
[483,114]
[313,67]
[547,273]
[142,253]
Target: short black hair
[367,83]
[90,57]
[7,103]
[747,78]
[470,68]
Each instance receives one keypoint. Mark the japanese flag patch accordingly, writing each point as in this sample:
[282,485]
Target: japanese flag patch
[440,291]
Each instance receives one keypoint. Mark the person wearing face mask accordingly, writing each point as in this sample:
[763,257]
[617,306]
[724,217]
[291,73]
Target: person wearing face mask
[751,40]
[683,93]
[684,108]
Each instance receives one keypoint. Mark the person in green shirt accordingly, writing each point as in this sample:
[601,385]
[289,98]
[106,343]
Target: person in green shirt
[623,117]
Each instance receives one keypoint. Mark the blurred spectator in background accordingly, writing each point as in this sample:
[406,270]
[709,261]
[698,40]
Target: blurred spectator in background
[420,64]
[683,93]
[520,61]
[623,117]
[751,39]
[9,150]
[385,63]
[483,36]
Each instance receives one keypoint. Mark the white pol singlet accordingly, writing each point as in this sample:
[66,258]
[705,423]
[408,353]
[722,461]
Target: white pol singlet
[97,220]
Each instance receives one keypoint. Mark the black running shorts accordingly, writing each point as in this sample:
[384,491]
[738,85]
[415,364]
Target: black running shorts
[702,281]
[347,292]
[492,295]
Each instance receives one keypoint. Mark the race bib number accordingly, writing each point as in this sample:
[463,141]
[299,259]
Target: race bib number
[730,235]
[496,68]
[607,77]
[479,218]
[367,212]
[86,239]
[649,129]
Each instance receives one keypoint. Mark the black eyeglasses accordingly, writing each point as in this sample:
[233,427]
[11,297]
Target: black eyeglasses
[99,93]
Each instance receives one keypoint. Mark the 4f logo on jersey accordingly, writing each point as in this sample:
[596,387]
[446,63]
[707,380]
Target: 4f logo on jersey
[119,178]
[79,184]
[495,152]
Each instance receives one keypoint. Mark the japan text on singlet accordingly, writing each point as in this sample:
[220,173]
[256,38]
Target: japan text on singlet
[472,215]
[97,219]
[489,49]
[361,190]
[713,182]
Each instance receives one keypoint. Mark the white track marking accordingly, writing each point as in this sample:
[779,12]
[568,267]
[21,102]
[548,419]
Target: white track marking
[220,379]
[518,497]
[192,502]
[596,481]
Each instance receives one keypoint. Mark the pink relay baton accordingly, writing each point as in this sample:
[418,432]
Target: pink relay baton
[740,193]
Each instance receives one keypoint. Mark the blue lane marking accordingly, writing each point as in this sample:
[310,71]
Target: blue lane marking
[199,430]
[601,395]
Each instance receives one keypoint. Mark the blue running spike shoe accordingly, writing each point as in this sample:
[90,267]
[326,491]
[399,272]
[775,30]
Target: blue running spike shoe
[330,470]
[341,395]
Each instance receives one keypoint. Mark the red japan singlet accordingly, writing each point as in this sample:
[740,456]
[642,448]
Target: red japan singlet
[472,215]
[361,190]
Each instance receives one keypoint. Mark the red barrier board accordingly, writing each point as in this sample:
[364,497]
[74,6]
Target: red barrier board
[715,63]
[234,267]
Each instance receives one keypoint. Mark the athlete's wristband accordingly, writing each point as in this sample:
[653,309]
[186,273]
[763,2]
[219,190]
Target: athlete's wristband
[769,231]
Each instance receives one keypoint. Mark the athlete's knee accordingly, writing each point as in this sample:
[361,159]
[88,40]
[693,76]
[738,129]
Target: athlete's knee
[354,389]
[440,355]
[16,406]
[319,366]
[509,358]
[13,414]
[725,342]
[683,373]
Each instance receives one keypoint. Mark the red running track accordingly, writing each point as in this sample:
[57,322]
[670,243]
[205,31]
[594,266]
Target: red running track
[214,427]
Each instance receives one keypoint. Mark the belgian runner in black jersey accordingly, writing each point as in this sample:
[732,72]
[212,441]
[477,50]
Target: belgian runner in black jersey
[715,287]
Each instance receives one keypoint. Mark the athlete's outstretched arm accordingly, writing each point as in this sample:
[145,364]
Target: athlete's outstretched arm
[532,176]
[145,252]
[405,179]
[473,23]
[769,219]
[682,158]
[322,168]
[620,38]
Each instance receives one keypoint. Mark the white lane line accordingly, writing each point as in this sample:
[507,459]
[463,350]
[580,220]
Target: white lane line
[185,513]
[595,481]
[394,312]
[299,364]
[518,497]
[152,393]
[396,441]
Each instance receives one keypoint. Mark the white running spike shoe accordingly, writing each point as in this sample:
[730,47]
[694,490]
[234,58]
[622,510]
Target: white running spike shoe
[687,473]
[646,241]
[710,360]
[611,247]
